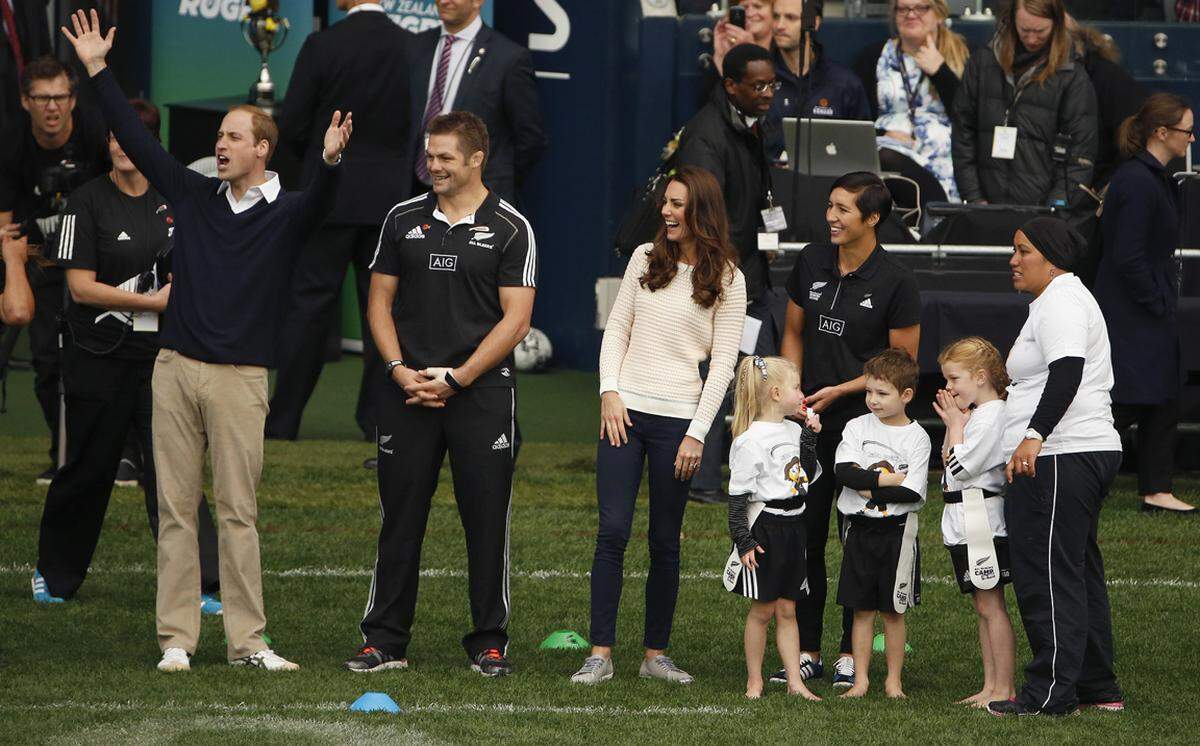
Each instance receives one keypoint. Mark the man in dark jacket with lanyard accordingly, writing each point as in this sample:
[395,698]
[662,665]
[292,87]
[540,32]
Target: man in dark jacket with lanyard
[452,290]
[235,236]
[726,139]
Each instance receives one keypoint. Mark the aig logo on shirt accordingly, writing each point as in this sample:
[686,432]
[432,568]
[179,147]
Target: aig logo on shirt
[830,325]
[443,262]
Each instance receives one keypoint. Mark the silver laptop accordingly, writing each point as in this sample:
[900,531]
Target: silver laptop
[838,146]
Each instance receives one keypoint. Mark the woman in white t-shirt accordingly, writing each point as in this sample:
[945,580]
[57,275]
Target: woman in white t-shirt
[1062,454]
[682,301]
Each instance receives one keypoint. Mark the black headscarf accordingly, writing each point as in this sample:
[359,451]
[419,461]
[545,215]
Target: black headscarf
[1062,245]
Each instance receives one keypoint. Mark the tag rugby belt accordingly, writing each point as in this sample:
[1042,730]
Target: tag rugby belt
[956,496]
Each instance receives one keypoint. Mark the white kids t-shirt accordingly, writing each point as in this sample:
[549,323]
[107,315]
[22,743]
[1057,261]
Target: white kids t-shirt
[976,463]
[884,448]
[1064,321]
[765,461]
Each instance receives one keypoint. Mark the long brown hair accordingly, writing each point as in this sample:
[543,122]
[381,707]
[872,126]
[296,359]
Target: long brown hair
[1060,38]
[1159,110]
[950,44]
[708,226]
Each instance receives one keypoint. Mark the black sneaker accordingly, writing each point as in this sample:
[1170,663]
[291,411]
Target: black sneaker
[1005,707]
[492,662]
[128,474]
[46,477]
[371,660]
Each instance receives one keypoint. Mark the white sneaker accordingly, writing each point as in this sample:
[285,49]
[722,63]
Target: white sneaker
[174,660]
[664,668]
[267,660]
[595,669]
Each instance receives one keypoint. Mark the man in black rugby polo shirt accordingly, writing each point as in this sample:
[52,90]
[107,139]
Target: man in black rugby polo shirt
[849,300]
[452,290]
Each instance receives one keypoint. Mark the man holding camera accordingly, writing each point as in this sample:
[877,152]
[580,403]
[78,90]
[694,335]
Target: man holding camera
[236,238]
[43,156]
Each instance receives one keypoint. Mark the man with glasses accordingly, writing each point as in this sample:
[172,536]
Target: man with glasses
[811,85]
[42,157]
[726,138]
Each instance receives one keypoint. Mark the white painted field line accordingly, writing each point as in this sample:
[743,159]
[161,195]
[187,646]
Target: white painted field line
[545,574]
[429,707]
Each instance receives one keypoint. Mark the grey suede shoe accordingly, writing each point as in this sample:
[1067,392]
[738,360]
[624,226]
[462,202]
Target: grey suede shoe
[662,667]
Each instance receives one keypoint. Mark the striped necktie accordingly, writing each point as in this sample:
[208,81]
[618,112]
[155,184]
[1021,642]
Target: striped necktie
[437,98]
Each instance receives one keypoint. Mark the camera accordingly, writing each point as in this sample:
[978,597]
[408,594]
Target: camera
[61,178]
[737,16]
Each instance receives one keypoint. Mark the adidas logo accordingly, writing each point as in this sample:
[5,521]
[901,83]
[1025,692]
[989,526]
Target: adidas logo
[124,237]
[501,443]
[415,233]
[866,303]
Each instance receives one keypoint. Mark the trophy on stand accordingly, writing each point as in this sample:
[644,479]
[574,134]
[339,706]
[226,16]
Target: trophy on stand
[265,30]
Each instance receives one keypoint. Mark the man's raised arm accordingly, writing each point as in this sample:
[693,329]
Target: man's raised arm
[167,175]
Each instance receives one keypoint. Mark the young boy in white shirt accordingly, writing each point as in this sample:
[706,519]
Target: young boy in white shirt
[882,464]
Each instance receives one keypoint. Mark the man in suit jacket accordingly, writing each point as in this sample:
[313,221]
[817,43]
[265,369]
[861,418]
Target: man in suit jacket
[486,74]
[32,37]
[358,64]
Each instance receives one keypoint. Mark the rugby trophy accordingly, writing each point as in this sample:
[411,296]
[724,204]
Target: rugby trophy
[265,30]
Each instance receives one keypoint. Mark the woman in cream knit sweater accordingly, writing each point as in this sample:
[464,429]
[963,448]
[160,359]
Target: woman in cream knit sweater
[682,301]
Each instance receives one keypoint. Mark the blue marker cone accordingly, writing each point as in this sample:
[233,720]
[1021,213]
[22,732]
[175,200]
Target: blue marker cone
[375,702]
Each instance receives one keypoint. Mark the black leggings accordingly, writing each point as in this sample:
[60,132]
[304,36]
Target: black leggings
[654,441]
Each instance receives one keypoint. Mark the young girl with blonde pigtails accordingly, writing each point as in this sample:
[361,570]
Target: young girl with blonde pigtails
[772,461]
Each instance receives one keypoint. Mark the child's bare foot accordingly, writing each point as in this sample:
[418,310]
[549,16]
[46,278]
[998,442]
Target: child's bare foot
[754,689]
[979,699]
[858,690]
[805,692]
[893,691]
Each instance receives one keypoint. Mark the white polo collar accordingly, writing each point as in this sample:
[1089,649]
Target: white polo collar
[376,7]
[268,190]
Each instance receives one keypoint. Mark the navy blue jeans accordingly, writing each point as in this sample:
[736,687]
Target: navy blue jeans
[654,441]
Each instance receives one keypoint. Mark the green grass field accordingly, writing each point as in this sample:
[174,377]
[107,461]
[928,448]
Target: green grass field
[84,672]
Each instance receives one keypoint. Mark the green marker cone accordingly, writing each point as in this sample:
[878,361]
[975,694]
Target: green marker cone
[564,639]
[877,645]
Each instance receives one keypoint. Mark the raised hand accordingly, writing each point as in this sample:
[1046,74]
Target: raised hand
[928,58]
[337,137]
[946,407]
[90,46]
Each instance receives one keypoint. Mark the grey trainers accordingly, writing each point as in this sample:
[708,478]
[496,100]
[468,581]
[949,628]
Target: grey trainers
[664,668]
[595,669]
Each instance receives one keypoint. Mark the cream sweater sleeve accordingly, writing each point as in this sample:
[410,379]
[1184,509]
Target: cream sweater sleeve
[728,321]
[620,321]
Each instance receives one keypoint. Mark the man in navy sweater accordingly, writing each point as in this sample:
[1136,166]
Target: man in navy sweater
[237,238]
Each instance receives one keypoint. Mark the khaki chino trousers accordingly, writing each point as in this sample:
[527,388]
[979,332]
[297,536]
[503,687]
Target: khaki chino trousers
[220,409]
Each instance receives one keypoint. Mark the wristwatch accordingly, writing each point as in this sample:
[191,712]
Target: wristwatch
[1032,434]
[392,365]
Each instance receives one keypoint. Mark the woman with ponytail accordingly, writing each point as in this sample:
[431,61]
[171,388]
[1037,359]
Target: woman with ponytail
[1136,290]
